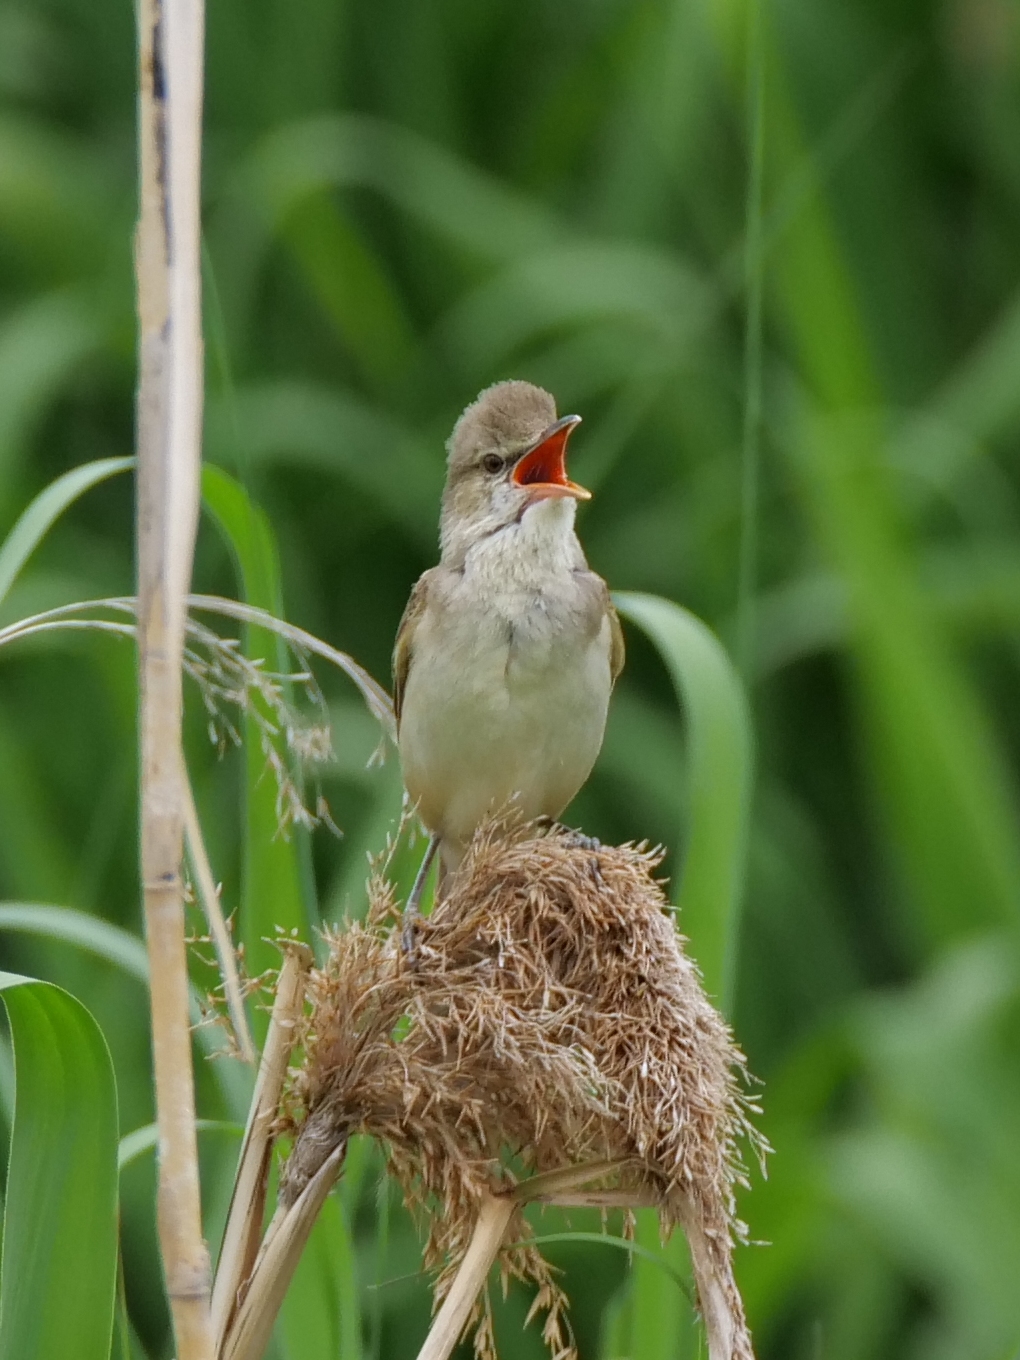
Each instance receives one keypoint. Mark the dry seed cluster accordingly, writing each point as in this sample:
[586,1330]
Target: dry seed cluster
[551,1017]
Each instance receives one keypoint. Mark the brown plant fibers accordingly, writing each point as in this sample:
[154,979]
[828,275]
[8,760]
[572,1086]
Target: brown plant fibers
[552,1018]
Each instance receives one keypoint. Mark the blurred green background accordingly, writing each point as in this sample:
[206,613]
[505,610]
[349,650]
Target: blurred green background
[408,199]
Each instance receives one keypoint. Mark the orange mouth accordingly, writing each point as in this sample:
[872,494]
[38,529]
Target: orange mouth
[542,470]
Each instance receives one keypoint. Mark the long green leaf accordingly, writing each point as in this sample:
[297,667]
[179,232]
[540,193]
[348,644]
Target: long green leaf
[59,1271]
[721,752]
[127,952]
[321,1316]
[78,928]
[652,1321]
[949,799]
[272,893]
[634,1249]
[34,523]
[144,1139]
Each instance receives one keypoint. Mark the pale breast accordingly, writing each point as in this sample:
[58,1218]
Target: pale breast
[508,689]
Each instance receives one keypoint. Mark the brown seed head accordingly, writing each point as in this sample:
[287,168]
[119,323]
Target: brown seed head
[553,1019]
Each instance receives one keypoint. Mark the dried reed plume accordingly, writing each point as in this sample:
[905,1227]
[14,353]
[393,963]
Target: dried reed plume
[552,1019]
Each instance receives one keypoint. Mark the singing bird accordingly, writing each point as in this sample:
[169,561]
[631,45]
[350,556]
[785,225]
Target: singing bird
[508,650]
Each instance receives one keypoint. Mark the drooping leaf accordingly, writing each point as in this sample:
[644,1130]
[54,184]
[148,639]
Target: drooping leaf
[59,1269]
[34,522]
[720,746]
[144,1139]
[273,893]
[127,952]
[99,937]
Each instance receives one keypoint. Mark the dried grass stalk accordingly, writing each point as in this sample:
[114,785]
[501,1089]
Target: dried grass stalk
[218,929]
[552,1020]
[169,430]
[494,1213]
[277,1260]
[248,1201]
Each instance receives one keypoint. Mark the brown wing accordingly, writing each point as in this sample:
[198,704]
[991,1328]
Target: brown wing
[617,649]
[403,648]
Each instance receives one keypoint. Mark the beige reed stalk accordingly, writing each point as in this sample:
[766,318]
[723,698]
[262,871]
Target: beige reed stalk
[243,1229]
[169,434]
[494,1215]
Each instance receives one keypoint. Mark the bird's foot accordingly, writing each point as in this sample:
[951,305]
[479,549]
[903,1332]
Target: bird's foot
[581,841]
[545,825]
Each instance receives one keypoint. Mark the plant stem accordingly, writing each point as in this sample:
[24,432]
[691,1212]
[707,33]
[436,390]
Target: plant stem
[222,942]
[169,428]
[493,1217]
[244,1219]
[278,1257]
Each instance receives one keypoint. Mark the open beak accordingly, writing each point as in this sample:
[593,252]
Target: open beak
[542,469]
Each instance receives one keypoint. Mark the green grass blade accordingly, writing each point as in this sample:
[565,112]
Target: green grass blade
[655,1320]
[80,929]
[949,798]
[721,752]
[59,1271]
[35,522]
[321,1316]
[352,286]
[660,1319]
[272,893]
[127,952]
[144,1139]
[634,1249]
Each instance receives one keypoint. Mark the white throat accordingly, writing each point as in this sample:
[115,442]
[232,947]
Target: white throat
[543,529]
[541,543]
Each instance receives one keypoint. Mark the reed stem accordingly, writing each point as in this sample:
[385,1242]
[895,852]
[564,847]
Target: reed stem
[169,434]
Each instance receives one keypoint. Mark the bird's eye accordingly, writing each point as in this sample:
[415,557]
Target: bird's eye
[492,463]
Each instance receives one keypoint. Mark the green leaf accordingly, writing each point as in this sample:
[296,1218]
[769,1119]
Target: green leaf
[59,1271]
[78,928]
[349,279]
[634,1249]
[41,343]
[127,952]
[35,522]
[272,896]
[939,776]
[141,1140]
[658,1314]
[721,755]
[321,1316]
[651,1322]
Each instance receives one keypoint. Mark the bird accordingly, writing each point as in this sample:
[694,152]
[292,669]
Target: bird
[508,649]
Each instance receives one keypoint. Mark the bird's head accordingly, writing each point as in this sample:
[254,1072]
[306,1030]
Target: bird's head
[507,454]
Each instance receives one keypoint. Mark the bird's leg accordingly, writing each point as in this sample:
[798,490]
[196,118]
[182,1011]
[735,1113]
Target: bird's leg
[411,912]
